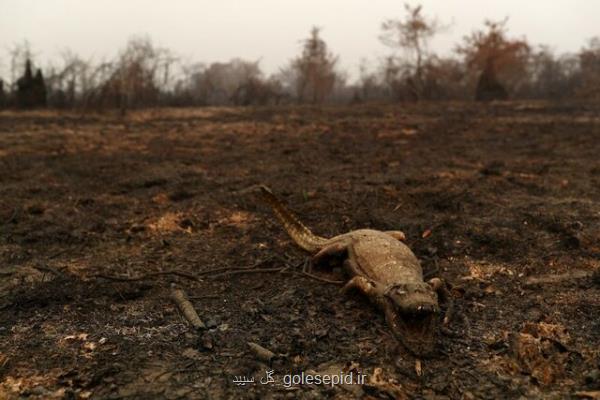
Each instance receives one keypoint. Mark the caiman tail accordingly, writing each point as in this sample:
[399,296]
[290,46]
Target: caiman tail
[296,229]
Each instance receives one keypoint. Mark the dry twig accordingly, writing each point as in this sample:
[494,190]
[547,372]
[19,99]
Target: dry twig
[261,353]
[219,272]
[53,271]
[146,276]
[318,278]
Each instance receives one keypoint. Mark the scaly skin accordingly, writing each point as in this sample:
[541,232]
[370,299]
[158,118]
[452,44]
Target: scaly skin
[382,268]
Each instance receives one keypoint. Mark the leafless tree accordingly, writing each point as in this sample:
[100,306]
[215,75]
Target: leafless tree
[550,76]
[19,53]
[444,79]
[411,35]
[70,81]
[136,77]
[495,57]
[589,61]
[371,85]
[315,70]
[234,82]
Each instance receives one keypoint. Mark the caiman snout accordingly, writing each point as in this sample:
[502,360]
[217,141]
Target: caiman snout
[413,315]
[414,298]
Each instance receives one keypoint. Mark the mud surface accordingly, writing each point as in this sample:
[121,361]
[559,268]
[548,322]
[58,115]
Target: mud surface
[501,200]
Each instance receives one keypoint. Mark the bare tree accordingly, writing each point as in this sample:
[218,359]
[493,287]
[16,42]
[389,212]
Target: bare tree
[287,76]
[589,61]
[494,56]
[411,35]
[136,77]
[369,85]
[444,79]
[234,82]
[19,54]
[550,76]
[69,82]
[2,94]
[315,69]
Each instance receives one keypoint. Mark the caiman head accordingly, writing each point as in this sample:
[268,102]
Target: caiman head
[412,312]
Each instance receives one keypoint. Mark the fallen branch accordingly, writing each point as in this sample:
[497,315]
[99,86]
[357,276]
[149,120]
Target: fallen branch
[557,278]
[217,272]
[226,269]
[249,271]
[146,276]
[282,270]
[53,271]
[179,297]
[318,278]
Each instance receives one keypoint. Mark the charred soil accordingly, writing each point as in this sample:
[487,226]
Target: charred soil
[502,200]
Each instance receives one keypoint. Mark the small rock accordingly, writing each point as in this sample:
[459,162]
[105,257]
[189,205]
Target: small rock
[571,242]
[191,353]
[493,168]
[35,209]
[592,376]
[137,228]
[468,396]
[211,323]
[320,333]
[39,391]
[596,281]
[206,341]
[249,308]
[535,314]
[223,327]
[577,225]
[431,250]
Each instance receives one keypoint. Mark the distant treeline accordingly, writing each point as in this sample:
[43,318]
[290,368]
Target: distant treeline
[487,65]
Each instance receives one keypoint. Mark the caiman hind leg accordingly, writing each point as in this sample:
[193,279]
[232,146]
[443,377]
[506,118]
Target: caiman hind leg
[336,250]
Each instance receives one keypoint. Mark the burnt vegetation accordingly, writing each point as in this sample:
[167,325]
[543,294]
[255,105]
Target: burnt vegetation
[489,64]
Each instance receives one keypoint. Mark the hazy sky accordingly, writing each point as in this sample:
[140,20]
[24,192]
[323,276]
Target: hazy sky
[271,30]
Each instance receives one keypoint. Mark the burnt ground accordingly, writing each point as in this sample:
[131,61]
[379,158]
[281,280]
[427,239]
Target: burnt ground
[502,200]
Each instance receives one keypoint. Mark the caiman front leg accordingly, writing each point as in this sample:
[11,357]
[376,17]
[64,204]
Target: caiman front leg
[370,289]
[364,285]
[374,292]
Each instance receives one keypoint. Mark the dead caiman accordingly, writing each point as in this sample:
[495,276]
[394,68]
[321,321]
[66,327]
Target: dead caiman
[383,268]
